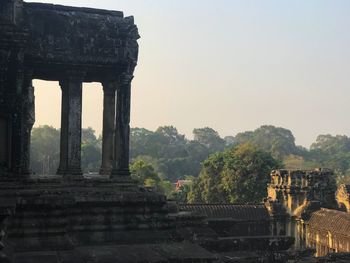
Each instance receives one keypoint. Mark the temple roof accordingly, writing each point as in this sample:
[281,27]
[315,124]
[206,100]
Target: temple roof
[238,212]
[55,39]
[331,220]
[75,9]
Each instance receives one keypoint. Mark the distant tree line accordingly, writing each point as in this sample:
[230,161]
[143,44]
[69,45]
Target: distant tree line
[171,154]
[45,150]
[229,169]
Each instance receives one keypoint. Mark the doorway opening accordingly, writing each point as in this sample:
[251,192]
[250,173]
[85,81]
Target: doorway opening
[45,136]
[91,139]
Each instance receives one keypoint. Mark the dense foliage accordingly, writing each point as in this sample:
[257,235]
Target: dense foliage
[333,152]
[238,175]
[173,156]
[165,156]
[279,142]
[146,175]
[45,150]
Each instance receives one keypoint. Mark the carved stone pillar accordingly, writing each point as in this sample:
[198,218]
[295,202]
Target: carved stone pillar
[4,54]
[16,82]
[109,89]
[122,128]
[4,142]
[28,120]
[4,113]
[70,155]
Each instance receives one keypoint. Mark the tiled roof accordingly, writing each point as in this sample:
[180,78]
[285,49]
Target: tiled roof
[249,212]
[331,220]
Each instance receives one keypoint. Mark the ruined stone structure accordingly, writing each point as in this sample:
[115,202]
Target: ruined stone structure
[294,189]
[343,197]
[72,46]
[328,231]
[241,227]
[240,220]
[313,206]
[70,218]
[247,233]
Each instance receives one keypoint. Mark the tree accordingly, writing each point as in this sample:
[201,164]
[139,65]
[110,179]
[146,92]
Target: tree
[329,144]
[237,175]
[140,143]
[145,174]
[88,136]
[333,152]
[279,142]
[229,140]
[171,144]
[142,171]
[45,149]
[171,135]
[197,153]
[90,157]
[209,138]
[165,142]
[91,152]
[172,156]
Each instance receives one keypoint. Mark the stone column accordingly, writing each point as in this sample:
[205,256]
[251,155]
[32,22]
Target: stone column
[4,113]
[122,128]
[109,89]
[28,104]
[16,82]
[70,155]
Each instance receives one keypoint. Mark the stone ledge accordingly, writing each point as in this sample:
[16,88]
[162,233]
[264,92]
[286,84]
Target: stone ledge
[152,253]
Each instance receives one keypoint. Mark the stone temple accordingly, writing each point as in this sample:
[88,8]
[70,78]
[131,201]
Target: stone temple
[68,218]
[72,46]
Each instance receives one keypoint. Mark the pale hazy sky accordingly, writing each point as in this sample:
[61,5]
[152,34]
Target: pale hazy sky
[230,65]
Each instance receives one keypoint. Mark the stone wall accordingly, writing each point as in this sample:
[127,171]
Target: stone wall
[328,231]
[310,199]
[343,197]
[294,188]
[301,192]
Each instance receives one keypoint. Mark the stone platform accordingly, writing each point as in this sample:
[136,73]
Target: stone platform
[92,220]
[153,253]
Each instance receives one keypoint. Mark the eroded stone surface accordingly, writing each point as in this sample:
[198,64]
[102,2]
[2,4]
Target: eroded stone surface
[309,198]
